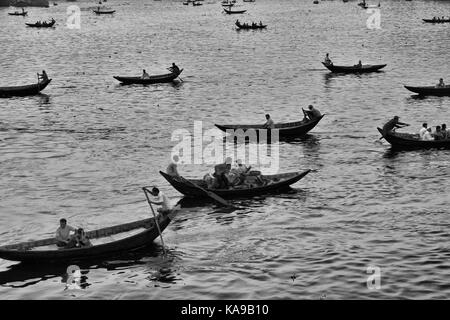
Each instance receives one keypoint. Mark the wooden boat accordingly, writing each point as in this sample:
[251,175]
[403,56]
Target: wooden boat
[436,20]
[354,69]
[288,129]
[41,25]
[229,11]
[249,0]
[24,13]
[197,4]
[430,90]
[412,141]
[250,27]
[164,78]
[104,12]
[27,90]
[135,235]
[276,182]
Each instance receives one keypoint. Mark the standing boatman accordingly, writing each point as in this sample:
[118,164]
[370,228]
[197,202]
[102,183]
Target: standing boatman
[393,124]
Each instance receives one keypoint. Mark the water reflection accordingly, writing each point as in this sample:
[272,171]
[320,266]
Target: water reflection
[23,275]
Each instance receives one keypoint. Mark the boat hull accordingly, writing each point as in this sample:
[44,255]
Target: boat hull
[285,181]
[410,142]
[291,129]
[152,80]
[430,91]
[228,11]
[21,91]
[353,69]
[132,243]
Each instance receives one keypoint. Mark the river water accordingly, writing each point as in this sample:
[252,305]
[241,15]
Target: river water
[84,148]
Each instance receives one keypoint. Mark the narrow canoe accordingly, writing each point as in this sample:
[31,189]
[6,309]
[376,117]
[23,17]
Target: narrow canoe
[277,182]
[436,21]
[430,90]
[18,13]
[353,69]
[45,25]
[27,90]
[229,11]
[44,251]
[104,12]
[250,27]
[153,79]
[298,128]
[411,141]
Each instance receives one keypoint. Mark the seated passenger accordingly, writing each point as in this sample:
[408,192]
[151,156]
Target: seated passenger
[445,131]
[328,60]
[79,240]
[145,75]
[439,135]
[441,83]
[427,136]
[423,130]
[269,123]
[63,233]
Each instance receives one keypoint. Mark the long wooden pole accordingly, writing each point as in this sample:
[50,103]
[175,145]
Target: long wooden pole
[156,219]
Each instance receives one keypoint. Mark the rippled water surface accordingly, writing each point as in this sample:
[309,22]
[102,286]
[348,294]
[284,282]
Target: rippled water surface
[85,147]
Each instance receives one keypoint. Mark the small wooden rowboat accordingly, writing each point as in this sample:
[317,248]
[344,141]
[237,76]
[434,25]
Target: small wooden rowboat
[407,141]
[276,182]
[135,235]
[164,78]
[229,11]
[41,25]
[27,90]
[249,26]
[104,12]
[354,69]
[430,90]
[288,129]
[18,13]
[436,20]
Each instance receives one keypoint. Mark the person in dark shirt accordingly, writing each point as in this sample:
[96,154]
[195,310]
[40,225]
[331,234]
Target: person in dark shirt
[439,135]
[393,124]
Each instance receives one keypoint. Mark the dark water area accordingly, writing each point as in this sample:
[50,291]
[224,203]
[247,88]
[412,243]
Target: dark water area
[84,148]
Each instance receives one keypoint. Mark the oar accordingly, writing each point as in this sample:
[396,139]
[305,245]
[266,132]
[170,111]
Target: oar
[156,220]
[209,193]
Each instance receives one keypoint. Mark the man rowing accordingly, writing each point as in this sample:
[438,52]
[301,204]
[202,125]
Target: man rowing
[311,114]
[175,68]
[63,235]
[393,124]
[162,200]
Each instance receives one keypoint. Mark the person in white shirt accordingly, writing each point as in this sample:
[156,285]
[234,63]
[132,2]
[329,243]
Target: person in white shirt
[427,135]
[423,130]
[162,200]
[62,235]
[269,123]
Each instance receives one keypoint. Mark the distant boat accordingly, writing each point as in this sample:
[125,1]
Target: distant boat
[248,0]
[316,2]
[44,24]
[23,13]
[250,26]
[164,78]
[229,11]
[434,20]
[27,90]
[104,11]
[354,69]
[430,90]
